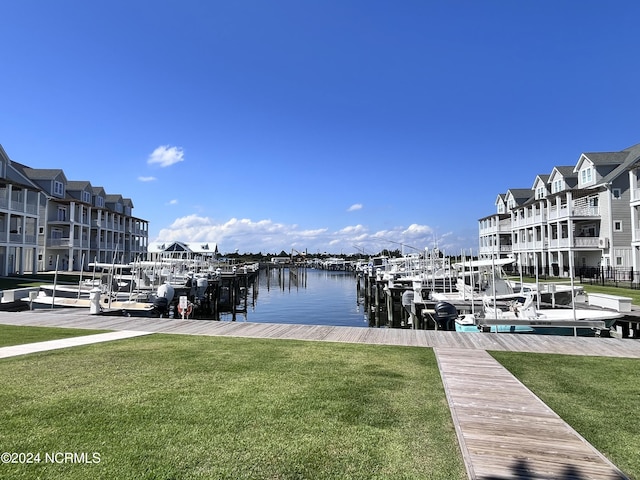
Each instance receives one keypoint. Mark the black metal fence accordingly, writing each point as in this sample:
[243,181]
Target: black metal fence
[612,276]
[624,277]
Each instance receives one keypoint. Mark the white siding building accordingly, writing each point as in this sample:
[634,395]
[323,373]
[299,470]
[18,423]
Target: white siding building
[48,221]
[585,216]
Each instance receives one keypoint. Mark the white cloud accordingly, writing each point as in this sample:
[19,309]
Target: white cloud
[267,236]
[147,179]
[415,230]
[354,207]
[356,229]
[166,156]
[172,202]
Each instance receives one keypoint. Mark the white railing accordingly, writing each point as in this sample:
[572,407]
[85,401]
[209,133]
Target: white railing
[586,212]
[586,242]
[59,242]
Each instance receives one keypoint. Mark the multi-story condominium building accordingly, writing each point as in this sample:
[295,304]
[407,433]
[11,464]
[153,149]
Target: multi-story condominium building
[584,217]
[52,222]
[19,220]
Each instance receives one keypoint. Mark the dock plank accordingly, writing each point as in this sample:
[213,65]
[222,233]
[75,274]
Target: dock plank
[505,431]
[610,347]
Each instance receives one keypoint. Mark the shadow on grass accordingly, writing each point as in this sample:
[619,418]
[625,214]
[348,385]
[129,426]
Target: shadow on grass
[521,469]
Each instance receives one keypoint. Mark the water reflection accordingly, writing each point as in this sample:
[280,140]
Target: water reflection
[308,297]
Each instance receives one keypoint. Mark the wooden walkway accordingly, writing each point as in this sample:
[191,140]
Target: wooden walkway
[72,318]
[504,430]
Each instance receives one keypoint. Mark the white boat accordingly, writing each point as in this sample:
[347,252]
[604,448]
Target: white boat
[42,299]
[67,291]
[526,318]
[106,304]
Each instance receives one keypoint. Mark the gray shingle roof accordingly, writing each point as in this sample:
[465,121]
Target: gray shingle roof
[631,157]
[78,185]
[521,195]
[42,173]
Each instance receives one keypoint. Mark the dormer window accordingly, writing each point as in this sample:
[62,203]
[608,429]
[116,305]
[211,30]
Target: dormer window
[539,193]
[86,197]
[586,175]
[58,188]
[99,202]
[557,186]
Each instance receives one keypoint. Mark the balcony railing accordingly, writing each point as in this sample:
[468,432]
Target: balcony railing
[60,242]
[18,206]
[556,213]
[587,242]
[530,220]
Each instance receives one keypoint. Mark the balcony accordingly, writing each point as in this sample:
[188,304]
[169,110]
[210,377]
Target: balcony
[585,211]
[578,211]
[20,206]
[60,242]
[537,219]
[586,242]
[578,242]
[558,243]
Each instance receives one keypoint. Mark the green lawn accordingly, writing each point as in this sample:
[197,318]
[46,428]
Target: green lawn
[599,397]
[16,335]
[183,407]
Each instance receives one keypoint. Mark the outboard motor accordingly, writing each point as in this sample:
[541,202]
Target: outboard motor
[166,290]
[407,300]
[201,287]
[446,315]
[161,304]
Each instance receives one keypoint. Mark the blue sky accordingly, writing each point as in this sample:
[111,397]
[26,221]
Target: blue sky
[326,126]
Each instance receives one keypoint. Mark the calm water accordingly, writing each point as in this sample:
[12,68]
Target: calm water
[318,297]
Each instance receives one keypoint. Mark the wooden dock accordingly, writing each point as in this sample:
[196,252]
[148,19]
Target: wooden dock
[507,432]
[504,430]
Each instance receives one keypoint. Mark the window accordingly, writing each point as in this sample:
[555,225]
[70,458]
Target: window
[62,214]
[586,175]
[618,261]
[99,202]
[617,226]
[86,197]
[58,188]
[616,193]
